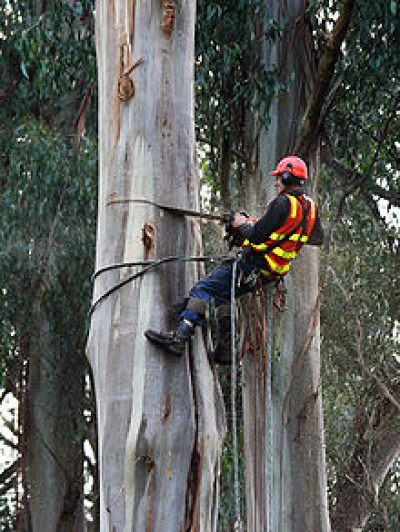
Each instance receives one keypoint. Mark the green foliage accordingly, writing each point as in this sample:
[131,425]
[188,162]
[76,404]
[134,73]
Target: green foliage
[6,516]
[49,54]
[47,239]
[369,73]
[362,296]
[231,80]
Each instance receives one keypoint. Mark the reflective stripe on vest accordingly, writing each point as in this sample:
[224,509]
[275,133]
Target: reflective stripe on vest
[302,238]
[258,247]
[312,206]
[274,267]
[285,254]
[276,236]
[293,206]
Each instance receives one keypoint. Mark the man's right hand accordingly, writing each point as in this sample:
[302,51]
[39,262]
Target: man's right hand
[238,219]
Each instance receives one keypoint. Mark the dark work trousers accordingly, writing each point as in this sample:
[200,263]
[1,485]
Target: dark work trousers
[218,285]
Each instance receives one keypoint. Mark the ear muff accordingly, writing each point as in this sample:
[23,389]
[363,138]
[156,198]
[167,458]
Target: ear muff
[287,178]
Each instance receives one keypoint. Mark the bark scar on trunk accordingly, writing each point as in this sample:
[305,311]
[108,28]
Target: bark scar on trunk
[167,408]
[306,410]
[126,88]
[169,17]
[148,238]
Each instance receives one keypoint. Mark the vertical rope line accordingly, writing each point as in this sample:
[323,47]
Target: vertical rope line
[269,406]
[233,400]
[264,448]
[255,413]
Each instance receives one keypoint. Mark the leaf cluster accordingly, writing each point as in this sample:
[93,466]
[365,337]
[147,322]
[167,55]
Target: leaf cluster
[232,79]
[48,58]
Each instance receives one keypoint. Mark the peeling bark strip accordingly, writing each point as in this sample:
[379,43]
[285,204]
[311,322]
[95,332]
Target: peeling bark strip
[169,16]
[132,9]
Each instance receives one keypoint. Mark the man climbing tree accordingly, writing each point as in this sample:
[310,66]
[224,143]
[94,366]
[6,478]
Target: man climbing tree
[268,247]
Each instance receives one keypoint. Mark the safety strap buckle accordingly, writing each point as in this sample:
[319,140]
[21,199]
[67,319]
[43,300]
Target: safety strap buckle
[249,279]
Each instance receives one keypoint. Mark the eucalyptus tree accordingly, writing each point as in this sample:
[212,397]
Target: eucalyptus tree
[363,281]
[160,421]
[353,113]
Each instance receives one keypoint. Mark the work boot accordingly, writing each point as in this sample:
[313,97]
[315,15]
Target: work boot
[222,353]
[175,341]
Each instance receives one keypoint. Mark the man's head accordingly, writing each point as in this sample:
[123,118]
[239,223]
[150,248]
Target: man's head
[291,172]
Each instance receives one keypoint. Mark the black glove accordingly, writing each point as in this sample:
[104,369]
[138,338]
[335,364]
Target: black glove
[232,234]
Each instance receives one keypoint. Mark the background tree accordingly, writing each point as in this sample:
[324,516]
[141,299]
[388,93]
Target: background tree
[48,191]
[361,390]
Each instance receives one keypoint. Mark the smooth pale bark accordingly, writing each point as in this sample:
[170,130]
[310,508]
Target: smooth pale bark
[294,466]
[55,456]
[160,419]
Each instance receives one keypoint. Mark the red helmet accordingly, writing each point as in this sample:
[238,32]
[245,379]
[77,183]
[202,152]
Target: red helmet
[293,165]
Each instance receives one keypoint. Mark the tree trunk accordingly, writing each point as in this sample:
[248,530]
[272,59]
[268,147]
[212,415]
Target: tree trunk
[160,419]
[376,448]
[285,462]
[55,432]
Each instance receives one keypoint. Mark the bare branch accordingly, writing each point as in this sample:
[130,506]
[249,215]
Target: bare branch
[9,472]
[234,152]
[8,442]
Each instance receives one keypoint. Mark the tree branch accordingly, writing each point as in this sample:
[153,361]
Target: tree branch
[9,472]
[312,122]
[392,197]
[234,152]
